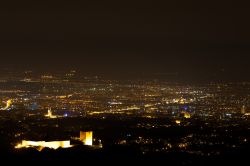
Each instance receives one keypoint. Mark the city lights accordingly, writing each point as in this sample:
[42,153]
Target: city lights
[156,117]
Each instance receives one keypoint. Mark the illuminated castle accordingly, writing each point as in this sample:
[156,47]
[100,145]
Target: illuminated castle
[86,138]
[40,145]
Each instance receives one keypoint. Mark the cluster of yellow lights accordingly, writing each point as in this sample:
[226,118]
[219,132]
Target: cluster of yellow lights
[180,101]
[46,77]
[187,115]
[183,145]
[243,109]
[8,104]
[42,144]
[178,122]
[131,108]
[148,105]
[50,115]
[64,96]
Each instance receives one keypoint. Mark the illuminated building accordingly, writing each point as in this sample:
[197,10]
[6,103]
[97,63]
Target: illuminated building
[50,115]
[8,105]
[243,109]
[186,115]
[178,122]
[182,145]
[86,138]
[42,144]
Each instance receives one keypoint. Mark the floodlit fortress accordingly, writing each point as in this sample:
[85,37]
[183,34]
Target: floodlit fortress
[85,137]
[40,145]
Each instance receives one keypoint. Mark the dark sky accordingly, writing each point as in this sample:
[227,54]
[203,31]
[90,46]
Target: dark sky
[123,37]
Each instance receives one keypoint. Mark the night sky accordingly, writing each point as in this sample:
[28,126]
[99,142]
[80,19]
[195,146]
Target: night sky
[196,39]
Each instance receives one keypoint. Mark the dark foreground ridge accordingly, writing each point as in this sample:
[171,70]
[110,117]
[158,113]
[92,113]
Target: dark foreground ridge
[121,155]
